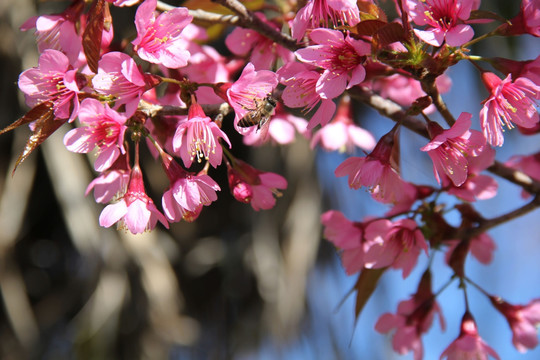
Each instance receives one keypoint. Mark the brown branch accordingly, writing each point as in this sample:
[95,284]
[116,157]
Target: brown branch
[390,109]
[203,16]
[431,89]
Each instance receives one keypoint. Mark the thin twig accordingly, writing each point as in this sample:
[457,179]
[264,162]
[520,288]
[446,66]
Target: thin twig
[431,89]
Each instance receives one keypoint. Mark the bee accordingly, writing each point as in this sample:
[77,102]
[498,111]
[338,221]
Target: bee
[264,108]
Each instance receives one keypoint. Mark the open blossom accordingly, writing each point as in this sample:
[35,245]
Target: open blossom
[348,237]
[523,320]
[119,76]
[135,210]
[188,192]
[397,244]
[300,92]
[258,188]
[112,182]
[444,20]
[105,130]
[469,345]
[413,318]
[57,31]
[158,37]
[342,134]
[322,13]
[198,137]
[53,80]
[510,102]
[376,173]
[341,58]
[450,149]
[263,51]
[252,86]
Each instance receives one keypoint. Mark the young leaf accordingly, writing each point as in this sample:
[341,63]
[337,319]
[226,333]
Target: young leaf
[365,285]
[91,39]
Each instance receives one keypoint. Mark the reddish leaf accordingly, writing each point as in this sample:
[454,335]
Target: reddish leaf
[388,34]
[44,126]
[35,113]
[91,39]
[366,284]
[370,11]
[369,27]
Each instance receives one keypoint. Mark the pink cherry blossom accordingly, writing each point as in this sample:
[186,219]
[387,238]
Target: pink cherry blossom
[263,51]
[123,2]
[135,210]
[258,188]
[342,134]
[198,137]
[251,86]
[481,248]
[53,80]
[449,149]
[528,164]
[397,244]
[158,37]
[105,130]
[510,102]
[112,182]
[322,13]
[469,345]
[120,77]
[300,92]
[341,58]
[444,20]
[348,237]
[58,31]
[526,22]
[187,193]
[375,172]
[413,318]
[524,321]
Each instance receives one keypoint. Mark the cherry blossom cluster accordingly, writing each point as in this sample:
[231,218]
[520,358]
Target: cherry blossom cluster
[168,90]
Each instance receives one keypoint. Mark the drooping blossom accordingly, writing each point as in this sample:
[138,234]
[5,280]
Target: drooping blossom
[413,318]
[187,193]
[135,210]
[300,92]
[198,137]
[105,130]
[529,165]
[324,13]
[450,149]
[158,37]
[251,87]
[111,183]
[342,133]
[481,248]
[348,237]
[469,345]
[397,244]
[523,320]
[444,20]
[120,77]
[376,173]
[53,80]
[250,185]
[510,102]
[341,58]
[262,51]
[58,31]
[527,21]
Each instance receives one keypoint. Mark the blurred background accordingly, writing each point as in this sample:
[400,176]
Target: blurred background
[236,284]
